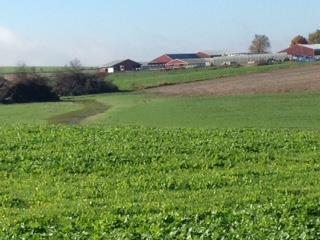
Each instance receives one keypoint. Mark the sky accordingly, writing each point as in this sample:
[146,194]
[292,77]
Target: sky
[53,32]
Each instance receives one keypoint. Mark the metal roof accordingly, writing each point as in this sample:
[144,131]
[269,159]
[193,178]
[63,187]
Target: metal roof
[215,52]
[183,56]
[311,46]
[113,63]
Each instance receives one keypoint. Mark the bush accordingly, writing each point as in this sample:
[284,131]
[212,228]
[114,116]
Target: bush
[26,88]
[79,83]
[4,88]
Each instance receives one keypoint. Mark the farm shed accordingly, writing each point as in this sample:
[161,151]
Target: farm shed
[161,61]
[303,50]
[120,66]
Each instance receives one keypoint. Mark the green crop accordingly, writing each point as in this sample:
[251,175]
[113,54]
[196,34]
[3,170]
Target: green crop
[61,182]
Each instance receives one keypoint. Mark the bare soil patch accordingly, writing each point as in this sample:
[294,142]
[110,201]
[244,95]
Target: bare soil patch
[90,108]
[287,80]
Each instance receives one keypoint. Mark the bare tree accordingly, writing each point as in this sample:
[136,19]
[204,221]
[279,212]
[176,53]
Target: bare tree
[260,44]
[75,64]
[299,40]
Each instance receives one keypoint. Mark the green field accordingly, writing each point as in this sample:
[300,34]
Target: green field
[151,183]
[35,113]
[290,110]
[43,69]
[144,79]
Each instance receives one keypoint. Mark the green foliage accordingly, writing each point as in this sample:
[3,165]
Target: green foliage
[299,40]
[150,183]
[314,38]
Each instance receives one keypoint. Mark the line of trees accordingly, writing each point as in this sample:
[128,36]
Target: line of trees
[314,38]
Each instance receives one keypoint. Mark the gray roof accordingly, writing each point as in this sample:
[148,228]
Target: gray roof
[111,64]
[311,46]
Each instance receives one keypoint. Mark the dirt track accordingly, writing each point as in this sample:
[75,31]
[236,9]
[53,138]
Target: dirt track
[288,80]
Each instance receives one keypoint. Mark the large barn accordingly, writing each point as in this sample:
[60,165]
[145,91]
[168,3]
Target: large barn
[120,66]
[303,50]
[161,61]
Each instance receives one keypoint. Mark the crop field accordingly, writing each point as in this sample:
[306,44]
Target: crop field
[146,79]
[151,183]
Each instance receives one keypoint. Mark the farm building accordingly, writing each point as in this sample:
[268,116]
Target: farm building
[188,63]
[303,50]
[161,61]
[120,66]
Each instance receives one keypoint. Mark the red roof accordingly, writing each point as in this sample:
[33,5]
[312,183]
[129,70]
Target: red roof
[176,62]
[164,59]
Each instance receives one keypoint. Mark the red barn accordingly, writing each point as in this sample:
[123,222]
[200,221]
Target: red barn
[304,50]
[164,59]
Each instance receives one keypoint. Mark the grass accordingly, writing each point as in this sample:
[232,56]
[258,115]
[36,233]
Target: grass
[35,113]
[141,183]
[290,110]
[139,80]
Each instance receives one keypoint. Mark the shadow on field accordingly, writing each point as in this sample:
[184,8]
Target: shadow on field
[90,108]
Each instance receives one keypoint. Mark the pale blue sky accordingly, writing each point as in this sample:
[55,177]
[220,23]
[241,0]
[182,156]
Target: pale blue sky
[51,32]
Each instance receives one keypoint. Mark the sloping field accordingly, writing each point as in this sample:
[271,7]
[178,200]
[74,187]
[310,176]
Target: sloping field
[285,80]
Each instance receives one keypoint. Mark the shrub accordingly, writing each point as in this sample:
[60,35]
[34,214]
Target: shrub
[4,88]
[26,87]
[79,83]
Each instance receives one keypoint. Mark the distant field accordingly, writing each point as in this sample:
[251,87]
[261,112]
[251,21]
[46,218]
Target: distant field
[140,80]
[44,69]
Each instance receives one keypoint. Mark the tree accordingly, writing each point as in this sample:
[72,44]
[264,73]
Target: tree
[299,40]
[314,38]
[260,44]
